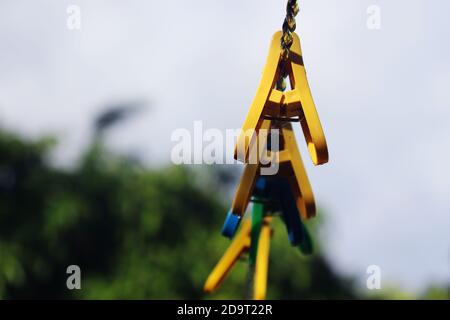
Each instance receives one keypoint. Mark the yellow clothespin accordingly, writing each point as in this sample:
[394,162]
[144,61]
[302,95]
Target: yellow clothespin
[290,166]
[262,260]
[272,103]
[240,244]
[251,172]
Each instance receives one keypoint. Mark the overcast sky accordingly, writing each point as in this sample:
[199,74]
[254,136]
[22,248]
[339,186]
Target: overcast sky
[383,97]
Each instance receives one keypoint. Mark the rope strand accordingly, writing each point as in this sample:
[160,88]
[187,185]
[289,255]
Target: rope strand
[289,26]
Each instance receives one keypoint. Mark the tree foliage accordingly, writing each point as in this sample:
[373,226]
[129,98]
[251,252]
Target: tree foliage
[136,233]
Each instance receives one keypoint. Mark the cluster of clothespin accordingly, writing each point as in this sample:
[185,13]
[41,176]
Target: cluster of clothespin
[288,191]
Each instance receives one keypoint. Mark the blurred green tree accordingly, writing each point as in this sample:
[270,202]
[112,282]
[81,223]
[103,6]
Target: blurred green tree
[136,233]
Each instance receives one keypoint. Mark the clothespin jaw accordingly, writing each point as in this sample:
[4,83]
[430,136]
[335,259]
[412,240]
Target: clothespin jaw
[262,260]
[297,102]
[254,118]
[290,213]
[312,128]
[242,243]
[297,232]
[246,185]
[239,245]
[291,167]
[241,200]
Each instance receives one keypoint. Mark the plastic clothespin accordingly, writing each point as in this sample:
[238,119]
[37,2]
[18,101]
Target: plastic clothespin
[290,166]
[270,102]
[240,244]
[244,191]
[291,216]
[262,260]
